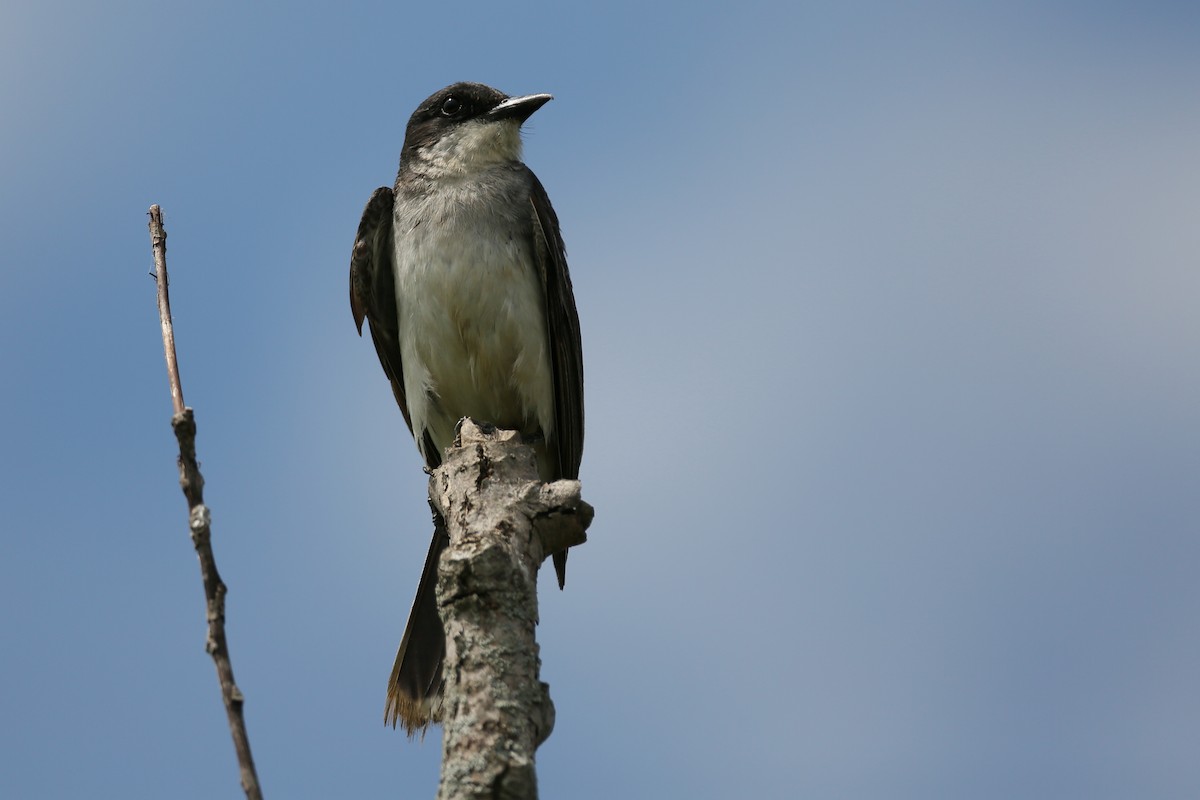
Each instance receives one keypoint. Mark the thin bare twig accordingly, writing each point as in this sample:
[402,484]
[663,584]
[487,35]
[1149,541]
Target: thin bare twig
[158,242]
[192,483]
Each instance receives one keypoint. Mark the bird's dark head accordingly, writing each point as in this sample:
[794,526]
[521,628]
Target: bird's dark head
[466,127]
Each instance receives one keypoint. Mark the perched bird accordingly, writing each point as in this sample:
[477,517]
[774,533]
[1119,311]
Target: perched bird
[461,275]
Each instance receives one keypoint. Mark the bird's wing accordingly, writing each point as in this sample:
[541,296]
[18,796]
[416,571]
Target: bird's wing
[373,288]
[562,325]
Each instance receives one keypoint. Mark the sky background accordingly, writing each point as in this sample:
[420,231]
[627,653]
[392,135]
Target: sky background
[893,394]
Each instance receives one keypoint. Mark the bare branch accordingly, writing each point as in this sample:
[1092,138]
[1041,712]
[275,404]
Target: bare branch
[158,242]
[502,522]
[192,483]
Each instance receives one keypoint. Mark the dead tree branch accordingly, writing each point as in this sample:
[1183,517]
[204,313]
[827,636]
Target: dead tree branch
[192,483]
[502,522]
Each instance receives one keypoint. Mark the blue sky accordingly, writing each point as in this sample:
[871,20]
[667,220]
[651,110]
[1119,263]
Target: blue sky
[893,404]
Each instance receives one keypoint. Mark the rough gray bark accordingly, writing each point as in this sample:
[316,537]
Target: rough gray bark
[502,522]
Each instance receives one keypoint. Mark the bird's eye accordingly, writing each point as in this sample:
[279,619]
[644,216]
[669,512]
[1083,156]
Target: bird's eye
[451,106]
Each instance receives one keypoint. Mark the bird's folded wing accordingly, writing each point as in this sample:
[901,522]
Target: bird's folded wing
[373,288]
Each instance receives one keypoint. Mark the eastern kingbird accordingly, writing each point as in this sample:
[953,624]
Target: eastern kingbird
[461,272]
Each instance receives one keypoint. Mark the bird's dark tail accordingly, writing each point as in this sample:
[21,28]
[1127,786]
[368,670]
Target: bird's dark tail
[414,694]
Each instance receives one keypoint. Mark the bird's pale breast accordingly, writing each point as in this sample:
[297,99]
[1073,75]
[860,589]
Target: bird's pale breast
[472,326]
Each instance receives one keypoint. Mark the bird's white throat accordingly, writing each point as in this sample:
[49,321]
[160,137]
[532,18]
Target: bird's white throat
[471,147]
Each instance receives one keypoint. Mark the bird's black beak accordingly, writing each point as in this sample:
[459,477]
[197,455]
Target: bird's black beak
[518,108]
